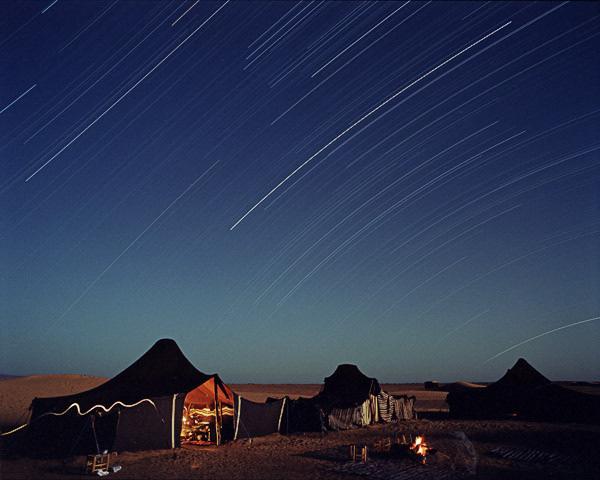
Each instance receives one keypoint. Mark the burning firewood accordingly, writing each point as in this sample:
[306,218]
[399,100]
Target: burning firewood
[419,448]
[401,447]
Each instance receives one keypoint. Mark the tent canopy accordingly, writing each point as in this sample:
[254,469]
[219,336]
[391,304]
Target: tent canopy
[347,387]
[141,408]
[204,394]
[522,374]
[162,371]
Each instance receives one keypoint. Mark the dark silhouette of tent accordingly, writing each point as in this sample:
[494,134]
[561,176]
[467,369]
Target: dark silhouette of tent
[347,387]
[523,392]
[139,409]
[350,399]
[521,375]
[254,419]
[303,415]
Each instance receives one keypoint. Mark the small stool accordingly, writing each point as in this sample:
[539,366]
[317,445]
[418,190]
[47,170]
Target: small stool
[364,454]
[97,462]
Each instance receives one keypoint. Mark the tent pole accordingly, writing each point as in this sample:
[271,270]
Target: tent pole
[217,423]
[221,416]
[173,421]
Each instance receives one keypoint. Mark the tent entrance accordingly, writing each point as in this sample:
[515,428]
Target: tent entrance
[207,415]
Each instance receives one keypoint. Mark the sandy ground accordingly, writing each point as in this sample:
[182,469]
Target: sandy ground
[312,456]
[315,456]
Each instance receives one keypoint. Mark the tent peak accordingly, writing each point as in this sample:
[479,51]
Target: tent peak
[165,346]
[347,367]
[523,374]
[165,341]
[348,370]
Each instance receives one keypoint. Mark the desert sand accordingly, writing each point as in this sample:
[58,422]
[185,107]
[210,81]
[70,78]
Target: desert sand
[465,447]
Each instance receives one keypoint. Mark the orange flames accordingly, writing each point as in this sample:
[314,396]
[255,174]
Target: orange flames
[420,447]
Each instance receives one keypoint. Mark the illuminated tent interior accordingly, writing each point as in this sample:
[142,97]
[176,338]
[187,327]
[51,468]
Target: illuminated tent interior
[208,414]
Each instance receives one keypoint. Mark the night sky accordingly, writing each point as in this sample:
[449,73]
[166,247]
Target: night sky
[282,187]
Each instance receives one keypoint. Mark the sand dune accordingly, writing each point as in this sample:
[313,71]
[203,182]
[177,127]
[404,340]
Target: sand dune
[459,386]
[16,394]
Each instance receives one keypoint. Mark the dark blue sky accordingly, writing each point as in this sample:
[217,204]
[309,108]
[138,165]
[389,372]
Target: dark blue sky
[282,187]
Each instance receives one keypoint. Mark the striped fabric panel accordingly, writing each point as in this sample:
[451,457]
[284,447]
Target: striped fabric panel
[386,407]
[347,418]
[393,408]
[405,407]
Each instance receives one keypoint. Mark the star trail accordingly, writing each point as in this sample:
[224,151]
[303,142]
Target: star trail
[285,186]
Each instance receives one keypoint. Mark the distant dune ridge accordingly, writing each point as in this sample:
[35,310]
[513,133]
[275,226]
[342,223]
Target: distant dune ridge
[17,393]
[459,386]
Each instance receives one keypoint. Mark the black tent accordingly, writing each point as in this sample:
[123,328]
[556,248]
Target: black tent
[303,415]
[521,375]
[139,409]
[523,392]
[347,387]
[348,398]
[500,399]
[253,419]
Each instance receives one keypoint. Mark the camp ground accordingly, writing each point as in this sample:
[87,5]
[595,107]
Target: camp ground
[351,425]
[162,401]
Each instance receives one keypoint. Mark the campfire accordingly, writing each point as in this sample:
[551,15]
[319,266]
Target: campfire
[401,447]
[420,448]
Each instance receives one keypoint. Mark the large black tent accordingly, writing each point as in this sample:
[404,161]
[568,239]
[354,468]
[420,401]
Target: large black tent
[500,399]
[523,392]
[350,399]
[139,409]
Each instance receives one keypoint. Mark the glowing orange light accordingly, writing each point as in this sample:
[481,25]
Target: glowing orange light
[420,447]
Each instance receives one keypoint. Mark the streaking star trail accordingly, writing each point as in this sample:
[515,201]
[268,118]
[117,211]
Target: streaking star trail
[127,92]
[535,337]
[18,98]
[360,120]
